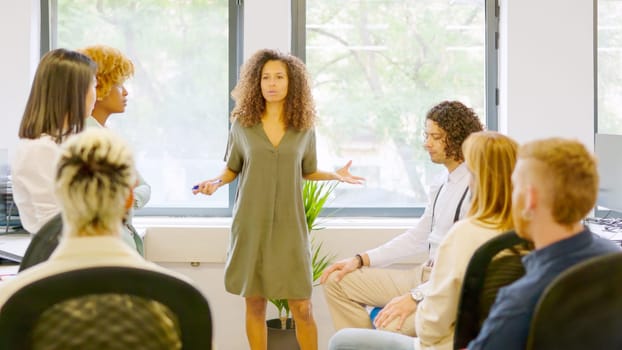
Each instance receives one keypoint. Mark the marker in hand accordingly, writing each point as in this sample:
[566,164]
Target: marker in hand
[196,187]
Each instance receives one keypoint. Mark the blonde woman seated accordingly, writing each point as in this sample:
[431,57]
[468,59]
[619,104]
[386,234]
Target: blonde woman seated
[490,158]
[93,185]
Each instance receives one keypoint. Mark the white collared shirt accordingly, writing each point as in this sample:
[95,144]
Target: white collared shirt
[422,240]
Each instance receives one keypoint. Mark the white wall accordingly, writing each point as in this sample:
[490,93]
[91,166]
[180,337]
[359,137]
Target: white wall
[19,35]
[546,69]
[267,25]
[199,252]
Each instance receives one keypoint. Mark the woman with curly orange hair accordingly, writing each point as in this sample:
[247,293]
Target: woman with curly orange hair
[271,150]
[113,69]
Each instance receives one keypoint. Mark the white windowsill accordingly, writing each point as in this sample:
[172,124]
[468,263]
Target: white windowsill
[340,222]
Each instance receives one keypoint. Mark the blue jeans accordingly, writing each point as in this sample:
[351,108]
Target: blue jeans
[369,339]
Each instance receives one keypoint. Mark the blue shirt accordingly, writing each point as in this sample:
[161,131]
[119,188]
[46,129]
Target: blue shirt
[507,325]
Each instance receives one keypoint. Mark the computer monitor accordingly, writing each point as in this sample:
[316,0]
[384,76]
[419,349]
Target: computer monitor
[608,150]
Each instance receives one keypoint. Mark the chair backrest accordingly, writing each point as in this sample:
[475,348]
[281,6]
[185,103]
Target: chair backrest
[43,243]
[22,313]
[107,321]
[581,308]
[495,264]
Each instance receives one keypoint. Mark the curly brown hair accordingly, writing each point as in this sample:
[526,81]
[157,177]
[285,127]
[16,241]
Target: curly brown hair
[299,109]
[113,67]
[458,121]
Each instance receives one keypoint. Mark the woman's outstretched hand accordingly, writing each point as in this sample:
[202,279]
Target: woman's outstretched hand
[343,175]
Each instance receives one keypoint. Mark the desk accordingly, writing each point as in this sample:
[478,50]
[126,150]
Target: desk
[605,231]
[8,271]
[13,246]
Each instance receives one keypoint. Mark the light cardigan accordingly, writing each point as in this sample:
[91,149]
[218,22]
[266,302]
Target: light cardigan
[142,191]
[142,194]
[435,318]
[33,172]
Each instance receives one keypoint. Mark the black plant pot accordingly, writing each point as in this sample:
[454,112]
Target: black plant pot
[281,339]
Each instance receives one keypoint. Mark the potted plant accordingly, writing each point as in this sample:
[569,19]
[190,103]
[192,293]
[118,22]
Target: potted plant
[281,331]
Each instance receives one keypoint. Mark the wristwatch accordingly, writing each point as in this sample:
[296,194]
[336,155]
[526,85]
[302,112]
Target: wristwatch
[417,295]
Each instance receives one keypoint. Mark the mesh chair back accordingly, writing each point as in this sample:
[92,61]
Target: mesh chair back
[107,321]
[20,315]
[493,265]
[501,272]
[581,308]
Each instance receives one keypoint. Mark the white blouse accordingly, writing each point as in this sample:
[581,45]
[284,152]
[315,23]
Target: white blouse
[33,170]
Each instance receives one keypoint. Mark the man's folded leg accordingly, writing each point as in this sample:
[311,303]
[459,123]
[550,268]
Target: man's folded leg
[348,298]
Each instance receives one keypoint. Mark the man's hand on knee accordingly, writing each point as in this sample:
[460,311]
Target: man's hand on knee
[341,268]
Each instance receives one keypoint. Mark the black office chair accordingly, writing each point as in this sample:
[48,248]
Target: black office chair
[25,317]
[486,273]
[107,321]
[43,243]
[581,308]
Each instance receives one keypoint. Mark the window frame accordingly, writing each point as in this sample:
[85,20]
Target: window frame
[236,45]
[298,48]
[598,212]
[492,10]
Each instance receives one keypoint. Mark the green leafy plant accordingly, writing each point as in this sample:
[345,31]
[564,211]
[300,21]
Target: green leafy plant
[314,196]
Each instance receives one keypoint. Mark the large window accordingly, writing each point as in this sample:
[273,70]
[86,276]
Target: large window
[609,109]
[609,63]
[178,103]
[377,67]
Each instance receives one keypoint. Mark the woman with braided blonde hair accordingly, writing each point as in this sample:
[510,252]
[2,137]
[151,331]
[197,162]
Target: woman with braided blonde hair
[93,186]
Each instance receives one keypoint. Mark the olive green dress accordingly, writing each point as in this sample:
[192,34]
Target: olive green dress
[269,253]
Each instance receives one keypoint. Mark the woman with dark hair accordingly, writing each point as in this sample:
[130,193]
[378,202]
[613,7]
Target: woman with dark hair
[271,150]
[61,97]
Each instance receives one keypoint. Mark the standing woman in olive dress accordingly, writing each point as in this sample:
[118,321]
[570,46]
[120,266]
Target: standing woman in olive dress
[271,150]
